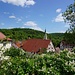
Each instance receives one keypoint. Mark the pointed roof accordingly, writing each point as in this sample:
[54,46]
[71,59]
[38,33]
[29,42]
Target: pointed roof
[34,45]
[45,36]
[2,36]
[45,30]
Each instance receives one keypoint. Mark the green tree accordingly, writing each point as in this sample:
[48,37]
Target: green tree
[69,16]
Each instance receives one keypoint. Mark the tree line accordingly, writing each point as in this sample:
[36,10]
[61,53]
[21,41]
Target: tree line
[25,33]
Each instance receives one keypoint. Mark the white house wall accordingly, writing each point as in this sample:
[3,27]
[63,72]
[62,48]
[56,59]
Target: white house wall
[50,47]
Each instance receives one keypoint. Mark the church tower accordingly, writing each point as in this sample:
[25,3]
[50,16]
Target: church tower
[45,36]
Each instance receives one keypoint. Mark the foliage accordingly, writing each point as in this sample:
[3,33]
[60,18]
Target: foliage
[24,33]
[44,64]
[13,52]
[57,38]
[69,16]
[69,38]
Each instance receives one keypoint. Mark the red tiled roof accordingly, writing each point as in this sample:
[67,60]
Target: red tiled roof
[33,45]
[2,36]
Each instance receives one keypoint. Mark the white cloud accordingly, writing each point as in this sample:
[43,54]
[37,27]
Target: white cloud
[12,17]
[21,3]
[58,10]
[59,18]
[30,2]
[62,31]
[18,20]
[15,18]
[22,27]
[33,25]
[36,28]
[30,23]
[59,31]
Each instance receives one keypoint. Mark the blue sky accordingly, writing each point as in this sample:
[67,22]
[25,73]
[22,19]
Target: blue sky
[35,14]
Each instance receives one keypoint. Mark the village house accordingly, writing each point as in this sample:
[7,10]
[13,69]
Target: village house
[65,45]
[5,43]
[36,45]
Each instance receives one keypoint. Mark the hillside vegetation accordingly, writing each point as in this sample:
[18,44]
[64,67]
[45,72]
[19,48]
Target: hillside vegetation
[24,33]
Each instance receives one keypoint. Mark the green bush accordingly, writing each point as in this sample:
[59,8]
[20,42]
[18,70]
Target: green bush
[62,63]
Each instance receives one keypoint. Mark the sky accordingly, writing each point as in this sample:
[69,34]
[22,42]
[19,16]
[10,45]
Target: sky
[34,14]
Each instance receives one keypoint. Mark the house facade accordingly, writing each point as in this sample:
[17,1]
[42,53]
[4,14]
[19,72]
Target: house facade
[65,45]
[5,43]
[50,47]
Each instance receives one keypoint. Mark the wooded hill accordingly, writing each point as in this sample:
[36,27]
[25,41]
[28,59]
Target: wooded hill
[24,33]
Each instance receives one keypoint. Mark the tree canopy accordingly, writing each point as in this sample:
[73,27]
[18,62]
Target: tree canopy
[69,16]
[24,33]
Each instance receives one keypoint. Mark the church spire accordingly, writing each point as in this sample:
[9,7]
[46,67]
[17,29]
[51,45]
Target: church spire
[45,36]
